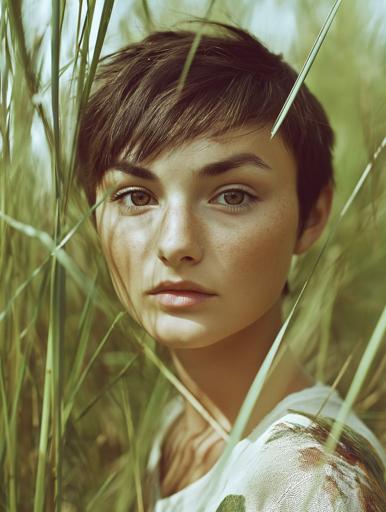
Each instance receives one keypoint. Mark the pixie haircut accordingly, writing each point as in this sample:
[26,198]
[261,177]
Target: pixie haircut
[233,81]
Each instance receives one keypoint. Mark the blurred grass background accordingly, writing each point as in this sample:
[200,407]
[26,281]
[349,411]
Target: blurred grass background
[78,382]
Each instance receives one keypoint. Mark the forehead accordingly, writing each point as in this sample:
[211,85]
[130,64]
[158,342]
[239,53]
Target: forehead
[208,156]
[252,138]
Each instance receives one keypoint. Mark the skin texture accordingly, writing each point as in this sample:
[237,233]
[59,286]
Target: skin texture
[184,228]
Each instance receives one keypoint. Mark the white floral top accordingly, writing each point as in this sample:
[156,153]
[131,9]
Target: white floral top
[275,468]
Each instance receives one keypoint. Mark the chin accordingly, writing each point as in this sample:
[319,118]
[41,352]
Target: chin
[181,343]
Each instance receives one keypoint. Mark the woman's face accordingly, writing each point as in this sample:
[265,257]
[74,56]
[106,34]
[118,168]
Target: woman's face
[232,232]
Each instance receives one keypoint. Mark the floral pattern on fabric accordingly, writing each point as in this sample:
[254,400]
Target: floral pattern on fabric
[352,475]
[277,468]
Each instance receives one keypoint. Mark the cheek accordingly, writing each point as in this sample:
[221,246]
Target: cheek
[260,253]
[123,254]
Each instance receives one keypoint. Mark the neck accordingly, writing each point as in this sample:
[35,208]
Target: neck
[220,375]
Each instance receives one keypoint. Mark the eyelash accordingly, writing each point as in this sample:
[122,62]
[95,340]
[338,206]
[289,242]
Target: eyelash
[121,194]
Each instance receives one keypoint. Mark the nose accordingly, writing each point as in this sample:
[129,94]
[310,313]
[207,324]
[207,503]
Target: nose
[179,237]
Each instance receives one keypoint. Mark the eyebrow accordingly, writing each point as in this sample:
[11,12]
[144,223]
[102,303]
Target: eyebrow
[209,170]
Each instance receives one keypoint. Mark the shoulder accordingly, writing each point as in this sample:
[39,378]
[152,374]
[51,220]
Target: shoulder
[292,473]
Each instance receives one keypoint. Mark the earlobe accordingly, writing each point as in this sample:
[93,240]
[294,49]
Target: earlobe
[316,221]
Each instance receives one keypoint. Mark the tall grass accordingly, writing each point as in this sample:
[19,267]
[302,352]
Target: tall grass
[81,385]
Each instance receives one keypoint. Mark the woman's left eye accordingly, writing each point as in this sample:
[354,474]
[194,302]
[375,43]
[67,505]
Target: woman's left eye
[233,195]
[233,198]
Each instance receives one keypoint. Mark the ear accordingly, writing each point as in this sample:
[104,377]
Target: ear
[316,221]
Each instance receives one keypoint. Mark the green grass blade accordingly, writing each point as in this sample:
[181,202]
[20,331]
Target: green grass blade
[43,439]
[11,447]
[79,277]
[149,24]
[107,387]
[57,333]
[134,452]
[180,387]
[358,380]
[363,177]
[70,401]
[84,85]
[56,326]
[84,51]
[247,407]
[81,345]
[91,504]
[306,67]
[193,49]
[17,28]
[48,242]
[255,389]
[24,362]
[104,22]
[55,73]
[21,288]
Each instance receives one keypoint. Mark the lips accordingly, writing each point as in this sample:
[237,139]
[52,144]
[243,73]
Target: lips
[181,298]
[180,287]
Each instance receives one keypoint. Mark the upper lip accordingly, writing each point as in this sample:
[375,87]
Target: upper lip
[179,285]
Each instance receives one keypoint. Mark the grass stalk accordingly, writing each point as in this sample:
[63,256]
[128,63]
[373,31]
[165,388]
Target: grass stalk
[106,388]
[40,489]
[193,49]
[55,75]
[16,25]
[78,383]
[133,449]
[357,382]
[306,67]
[11,446]
[84,90]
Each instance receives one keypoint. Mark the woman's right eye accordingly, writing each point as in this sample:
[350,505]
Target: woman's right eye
[132,198]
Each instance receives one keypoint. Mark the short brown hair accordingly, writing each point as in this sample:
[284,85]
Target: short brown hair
[234,80]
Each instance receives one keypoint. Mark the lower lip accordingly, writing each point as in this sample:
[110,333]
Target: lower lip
[181,299]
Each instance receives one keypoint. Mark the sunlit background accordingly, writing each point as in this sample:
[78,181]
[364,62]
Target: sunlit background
[108,379]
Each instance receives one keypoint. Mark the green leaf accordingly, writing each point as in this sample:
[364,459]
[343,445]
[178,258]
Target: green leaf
[232,503]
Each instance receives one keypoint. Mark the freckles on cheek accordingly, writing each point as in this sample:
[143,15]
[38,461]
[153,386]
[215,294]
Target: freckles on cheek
[265,248]
[125,249]
[122,265]
[118,246]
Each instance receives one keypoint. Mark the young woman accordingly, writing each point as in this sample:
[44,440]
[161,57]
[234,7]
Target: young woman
[204,212]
